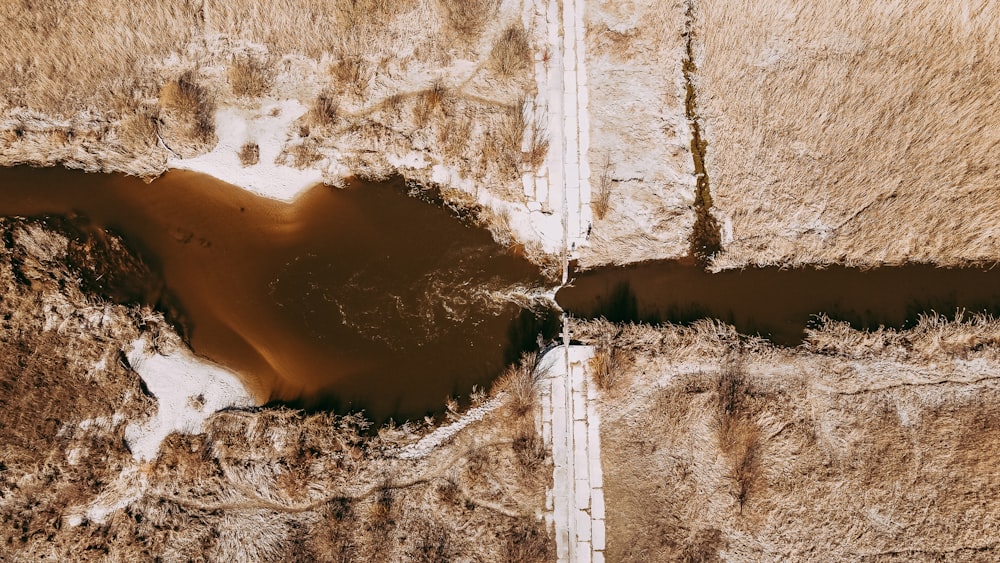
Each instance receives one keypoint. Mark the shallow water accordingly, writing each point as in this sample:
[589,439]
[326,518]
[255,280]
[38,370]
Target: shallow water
[779,304]
[364,297]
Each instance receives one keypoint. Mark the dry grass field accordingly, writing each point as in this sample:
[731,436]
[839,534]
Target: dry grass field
[856,447]
[641,167]
[858,133]
[121,87]
[258,485]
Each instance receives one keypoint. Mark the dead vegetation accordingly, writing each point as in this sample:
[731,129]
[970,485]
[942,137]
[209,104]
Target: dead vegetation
[249,153]
[511,54]
[250,76]
[876,157]
[187,115]
[264,484]
[722,447]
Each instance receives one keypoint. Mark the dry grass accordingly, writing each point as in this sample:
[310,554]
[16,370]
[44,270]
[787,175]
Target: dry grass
[852,136]
[250,76]
[469,17]
[520,383]
[608,365]
[249,153]
[265,484]
[324,110]
[511,54]
[775,454]
[601,200]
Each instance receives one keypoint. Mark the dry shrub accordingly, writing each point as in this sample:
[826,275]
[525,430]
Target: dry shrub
[527,542]
[511,54]
[529,450]
[430,100]
[519,382]
[249,76]
[600,204]
[501,146]
[737,430]
[189,103]
[469,17]
[304,154]
[325,109]
[352,73]
[138,130]
[608,364]
[538,144]
[249,153]
[454,138]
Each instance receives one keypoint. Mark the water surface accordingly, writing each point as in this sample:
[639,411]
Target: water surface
[364,297]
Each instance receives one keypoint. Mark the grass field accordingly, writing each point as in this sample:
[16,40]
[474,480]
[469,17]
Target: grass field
[859,446]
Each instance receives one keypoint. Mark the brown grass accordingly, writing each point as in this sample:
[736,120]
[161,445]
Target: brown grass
[520,383]
[187,110]
[601,201]
[759,451]
[249,76]
[877,157]
[469,17]
[511,54]
[249,153]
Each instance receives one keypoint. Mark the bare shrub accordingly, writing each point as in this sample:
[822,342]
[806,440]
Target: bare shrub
[430,100]
[519,382]
[249,76]
[325,109]
[511,53]
[608,364]
[527,542]
[469,17]
[191,105]
[601,202]
[737,430]
[249,153]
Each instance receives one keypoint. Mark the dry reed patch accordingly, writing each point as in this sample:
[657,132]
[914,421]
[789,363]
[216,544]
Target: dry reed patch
[249,76]
[608,365]
[138,131]
[852,136]
[249,153]
[468,18]
[187,114]
[511,54]
[601,202]
[520,383]
[325,110]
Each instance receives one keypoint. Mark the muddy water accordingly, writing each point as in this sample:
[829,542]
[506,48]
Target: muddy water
[364,297]
[779,304]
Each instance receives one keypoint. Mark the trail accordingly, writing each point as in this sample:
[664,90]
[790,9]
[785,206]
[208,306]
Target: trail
[568,419]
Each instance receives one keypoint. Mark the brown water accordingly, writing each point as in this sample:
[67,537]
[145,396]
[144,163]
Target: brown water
[364,297]
[776,303]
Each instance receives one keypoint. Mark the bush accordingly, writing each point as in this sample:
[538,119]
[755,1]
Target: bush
[511,53]
[249,154]
[249,76]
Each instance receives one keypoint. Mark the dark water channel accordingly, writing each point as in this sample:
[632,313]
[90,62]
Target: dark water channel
[779,304]
[368,297]
[364,297]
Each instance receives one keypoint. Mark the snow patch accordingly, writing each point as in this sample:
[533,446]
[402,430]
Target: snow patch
[427,444]
[269,127]
[187,389]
